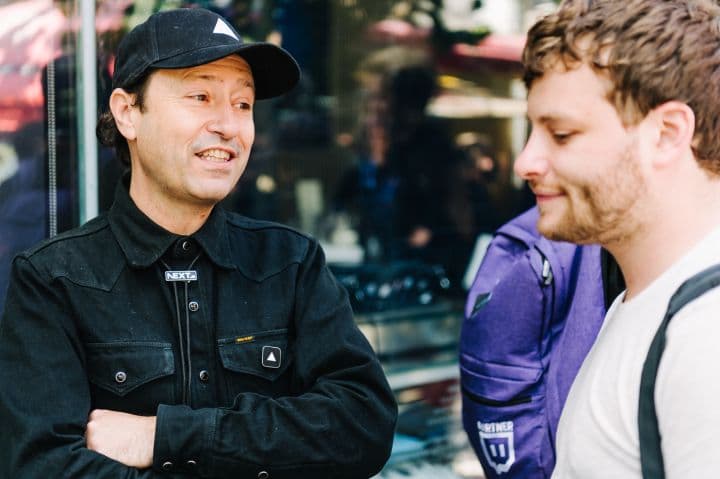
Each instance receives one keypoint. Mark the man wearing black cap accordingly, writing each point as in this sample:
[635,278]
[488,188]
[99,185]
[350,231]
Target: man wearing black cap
[169,337]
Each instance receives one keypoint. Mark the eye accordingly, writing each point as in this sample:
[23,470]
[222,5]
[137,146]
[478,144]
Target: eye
[243,105]
[562,137]
[201,97]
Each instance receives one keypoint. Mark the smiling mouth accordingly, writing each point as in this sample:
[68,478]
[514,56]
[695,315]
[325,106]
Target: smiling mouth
[216,155]
[545,191]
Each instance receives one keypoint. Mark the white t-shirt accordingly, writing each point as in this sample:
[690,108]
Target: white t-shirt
[598,432]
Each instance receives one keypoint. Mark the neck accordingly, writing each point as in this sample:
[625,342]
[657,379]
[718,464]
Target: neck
[180,218]
[680,221]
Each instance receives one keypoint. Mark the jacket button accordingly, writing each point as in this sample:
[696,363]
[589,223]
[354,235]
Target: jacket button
[193,305]
[120,377]
[167,466]
[191,463]
[204,376]
[186,245]
[263,475]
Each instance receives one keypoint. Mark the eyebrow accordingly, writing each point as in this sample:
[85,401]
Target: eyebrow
[549,118]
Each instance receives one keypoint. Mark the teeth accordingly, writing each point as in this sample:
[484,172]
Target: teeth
[216,155]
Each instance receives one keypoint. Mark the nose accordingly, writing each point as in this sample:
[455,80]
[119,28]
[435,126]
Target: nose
[228,122]
[532,160]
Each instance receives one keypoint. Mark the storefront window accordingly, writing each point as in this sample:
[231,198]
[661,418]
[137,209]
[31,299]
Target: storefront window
[374,152]
[395,149]
[38,127]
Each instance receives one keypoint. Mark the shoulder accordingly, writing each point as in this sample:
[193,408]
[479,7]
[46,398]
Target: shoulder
[697,319]
[68,241]
[84,255]
[691,356]
[262,248]
[686,387]
[249,229]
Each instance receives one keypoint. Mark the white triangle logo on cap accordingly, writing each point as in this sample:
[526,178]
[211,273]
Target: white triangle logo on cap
[223,28]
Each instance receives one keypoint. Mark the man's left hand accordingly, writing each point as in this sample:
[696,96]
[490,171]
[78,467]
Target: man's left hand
[126,438]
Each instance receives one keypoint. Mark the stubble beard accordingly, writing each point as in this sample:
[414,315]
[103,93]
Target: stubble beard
[604,211]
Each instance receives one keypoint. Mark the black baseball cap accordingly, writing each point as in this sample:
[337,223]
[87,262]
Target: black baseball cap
[188,37]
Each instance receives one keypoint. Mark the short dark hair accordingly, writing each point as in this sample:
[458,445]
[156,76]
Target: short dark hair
[107,131]
[651,51]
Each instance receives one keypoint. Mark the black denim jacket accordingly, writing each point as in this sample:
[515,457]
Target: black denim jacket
[254,369]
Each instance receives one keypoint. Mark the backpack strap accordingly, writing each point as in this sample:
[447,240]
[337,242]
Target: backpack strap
[651,458]
[612,278]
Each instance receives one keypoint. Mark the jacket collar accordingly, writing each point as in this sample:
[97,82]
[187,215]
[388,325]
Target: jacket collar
[143,241]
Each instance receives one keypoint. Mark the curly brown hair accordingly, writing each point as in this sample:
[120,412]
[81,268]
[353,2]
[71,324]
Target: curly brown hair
[651,51]
[106,129]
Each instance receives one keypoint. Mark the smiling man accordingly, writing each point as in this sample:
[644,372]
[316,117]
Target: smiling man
[624,151]
[171,338]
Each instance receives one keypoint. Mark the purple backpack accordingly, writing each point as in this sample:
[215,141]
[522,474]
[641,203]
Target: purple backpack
[532,314]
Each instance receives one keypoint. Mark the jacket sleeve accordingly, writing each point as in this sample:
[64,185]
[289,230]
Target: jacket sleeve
[44,394]
[342,424]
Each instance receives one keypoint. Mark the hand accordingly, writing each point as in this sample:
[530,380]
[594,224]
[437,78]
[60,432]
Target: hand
[126,438]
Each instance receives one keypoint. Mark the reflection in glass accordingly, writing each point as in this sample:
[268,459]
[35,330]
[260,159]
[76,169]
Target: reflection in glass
[38,160]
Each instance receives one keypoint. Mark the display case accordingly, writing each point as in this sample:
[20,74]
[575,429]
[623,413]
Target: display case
[417,346]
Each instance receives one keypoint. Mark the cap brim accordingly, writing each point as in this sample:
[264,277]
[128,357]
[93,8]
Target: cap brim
[274,70]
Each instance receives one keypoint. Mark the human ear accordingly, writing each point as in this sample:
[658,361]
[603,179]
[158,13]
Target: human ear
[122,106]
[675,121]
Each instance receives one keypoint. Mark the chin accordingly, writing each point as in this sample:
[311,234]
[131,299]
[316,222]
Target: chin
[548,223]
[214,197]
[568,231]
[557,228]
[212,192]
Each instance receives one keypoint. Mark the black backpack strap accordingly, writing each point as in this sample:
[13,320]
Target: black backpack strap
[612,278]
[650,452]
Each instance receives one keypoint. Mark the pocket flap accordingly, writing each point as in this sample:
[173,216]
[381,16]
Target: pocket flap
[500,382]
[264,354]
[120,367]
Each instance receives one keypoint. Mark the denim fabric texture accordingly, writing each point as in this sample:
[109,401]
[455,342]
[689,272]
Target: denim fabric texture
[91,322]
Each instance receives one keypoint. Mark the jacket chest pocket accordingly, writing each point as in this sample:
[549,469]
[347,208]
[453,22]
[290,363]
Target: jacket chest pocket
[257,362]
[131,376]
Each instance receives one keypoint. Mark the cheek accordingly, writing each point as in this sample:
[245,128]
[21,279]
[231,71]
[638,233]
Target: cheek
[613,176]
[249,133]
[156,125]
[593,163]
[149,144]
[241,168]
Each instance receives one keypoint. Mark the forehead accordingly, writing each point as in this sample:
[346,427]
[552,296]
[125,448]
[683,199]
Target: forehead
[233,64]
[232,70]
[561,91]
